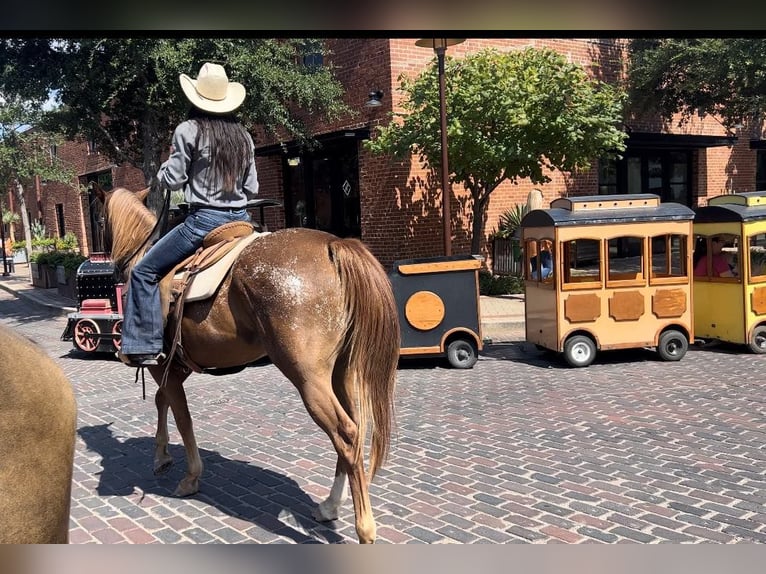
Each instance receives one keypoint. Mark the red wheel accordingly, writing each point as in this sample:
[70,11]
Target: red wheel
[86,335]
[117,330]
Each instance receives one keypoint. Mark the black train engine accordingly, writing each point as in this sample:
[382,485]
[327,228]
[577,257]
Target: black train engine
[96,326]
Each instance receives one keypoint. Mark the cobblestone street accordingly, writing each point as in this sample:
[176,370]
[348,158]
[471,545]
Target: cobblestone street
[519,449]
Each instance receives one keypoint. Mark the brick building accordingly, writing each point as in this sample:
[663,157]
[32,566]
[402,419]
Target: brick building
[395,206]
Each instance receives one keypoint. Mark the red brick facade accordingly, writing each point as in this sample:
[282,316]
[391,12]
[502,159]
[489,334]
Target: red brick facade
[400,202]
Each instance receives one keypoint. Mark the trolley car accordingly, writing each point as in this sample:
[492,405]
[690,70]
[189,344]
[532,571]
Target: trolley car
[730,306]
[618,275]
[438,303]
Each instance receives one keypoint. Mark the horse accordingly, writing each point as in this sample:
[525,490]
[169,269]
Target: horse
[38,417]
[321,308]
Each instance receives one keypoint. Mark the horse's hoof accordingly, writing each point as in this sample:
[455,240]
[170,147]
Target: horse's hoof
[323,513]
[186,487]
[162,467]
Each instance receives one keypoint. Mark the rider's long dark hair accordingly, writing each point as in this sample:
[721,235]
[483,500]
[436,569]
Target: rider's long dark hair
[229,145]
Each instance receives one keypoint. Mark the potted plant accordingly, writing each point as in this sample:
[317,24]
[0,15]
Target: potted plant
[19,250]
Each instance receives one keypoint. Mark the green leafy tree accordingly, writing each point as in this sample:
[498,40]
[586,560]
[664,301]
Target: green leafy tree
[510,116]
[722,76]
[123,93]
[25,154]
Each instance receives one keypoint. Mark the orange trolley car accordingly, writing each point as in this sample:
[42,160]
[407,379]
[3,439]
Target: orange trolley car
[620,276]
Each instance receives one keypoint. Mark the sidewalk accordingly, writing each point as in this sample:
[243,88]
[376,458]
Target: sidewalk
[502,316]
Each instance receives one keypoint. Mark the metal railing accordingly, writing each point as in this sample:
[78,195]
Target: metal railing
[506,257]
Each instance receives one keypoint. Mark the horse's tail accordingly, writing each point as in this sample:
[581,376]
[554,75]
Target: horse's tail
[371,343]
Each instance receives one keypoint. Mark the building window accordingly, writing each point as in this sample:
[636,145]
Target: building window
[92,146]
[60,219]
[607,177]
[760,169]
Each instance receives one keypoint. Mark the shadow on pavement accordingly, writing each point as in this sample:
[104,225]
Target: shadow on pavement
[236,488]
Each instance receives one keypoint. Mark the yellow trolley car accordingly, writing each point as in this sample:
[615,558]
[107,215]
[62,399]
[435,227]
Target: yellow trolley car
[609,272]
[730,270]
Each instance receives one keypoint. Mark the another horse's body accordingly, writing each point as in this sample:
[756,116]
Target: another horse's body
[37,435]
[321,308]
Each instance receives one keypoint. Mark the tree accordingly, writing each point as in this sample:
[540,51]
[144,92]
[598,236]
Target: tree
[721,76]
[124,94]
[510,116]
[25,154]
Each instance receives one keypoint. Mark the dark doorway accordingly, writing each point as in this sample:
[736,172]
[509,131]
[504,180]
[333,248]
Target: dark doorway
[667,173]
[95,212]
[322,188]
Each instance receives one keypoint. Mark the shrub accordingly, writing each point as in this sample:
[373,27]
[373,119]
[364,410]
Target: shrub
[67,243]
[499,284]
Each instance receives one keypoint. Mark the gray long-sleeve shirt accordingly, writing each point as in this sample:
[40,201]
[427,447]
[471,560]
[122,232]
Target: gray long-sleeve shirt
[192,172]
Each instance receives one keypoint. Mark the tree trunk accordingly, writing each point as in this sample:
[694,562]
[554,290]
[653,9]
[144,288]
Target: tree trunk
[19,192]
[480,203]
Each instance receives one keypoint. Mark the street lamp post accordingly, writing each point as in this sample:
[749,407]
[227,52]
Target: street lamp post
[439,46]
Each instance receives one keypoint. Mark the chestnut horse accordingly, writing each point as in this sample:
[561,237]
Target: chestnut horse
[321,308]
[37,436]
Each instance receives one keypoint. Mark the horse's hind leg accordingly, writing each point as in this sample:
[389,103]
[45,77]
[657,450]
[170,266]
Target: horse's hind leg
[330,415]
[329,508]
[162,459]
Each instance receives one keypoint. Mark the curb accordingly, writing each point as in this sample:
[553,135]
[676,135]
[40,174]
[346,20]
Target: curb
[64,311]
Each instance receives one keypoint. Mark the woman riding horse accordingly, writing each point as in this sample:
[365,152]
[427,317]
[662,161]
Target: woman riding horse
[321,308]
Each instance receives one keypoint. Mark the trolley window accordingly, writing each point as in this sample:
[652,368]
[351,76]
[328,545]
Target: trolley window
[625,262]
[757,255]
[669,258]
[540,261]
[716,257]
[582,264]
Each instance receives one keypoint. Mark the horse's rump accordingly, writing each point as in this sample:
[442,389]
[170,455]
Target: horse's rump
[37,435]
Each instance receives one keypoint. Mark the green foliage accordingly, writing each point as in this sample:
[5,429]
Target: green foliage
[723,76]
[21,244]
[510,221]
[499,284]
[67,243]
[510,116]
[70,261]
[38,230]
[109,86]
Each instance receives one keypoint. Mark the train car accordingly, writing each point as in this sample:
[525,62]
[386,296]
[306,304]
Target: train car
[608,272]
[730,270]
[96,326]
[438,304]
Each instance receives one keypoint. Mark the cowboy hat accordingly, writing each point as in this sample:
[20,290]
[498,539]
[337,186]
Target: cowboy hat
[212,91]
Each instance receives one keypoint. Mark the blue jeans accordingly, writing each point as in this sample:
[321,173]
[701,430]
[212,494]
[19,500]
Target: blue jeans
[143,322]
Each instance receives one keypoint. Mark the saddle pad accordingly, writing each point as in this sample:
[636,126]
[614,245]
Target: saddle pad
[208,280]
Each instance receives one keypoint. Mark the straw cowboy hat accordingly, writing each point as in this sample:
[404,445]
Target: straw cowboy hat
[212,91]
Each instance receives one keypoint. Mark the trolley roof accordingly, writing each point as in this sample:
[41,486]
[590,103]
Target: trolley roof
[738,207]
[606,209]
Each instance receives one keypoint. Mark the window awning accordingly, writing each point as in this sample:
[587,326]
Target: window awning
[646,140]
[294,148]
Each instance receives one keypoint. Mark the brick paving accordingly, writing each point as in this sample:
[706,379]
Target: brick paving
[520,449]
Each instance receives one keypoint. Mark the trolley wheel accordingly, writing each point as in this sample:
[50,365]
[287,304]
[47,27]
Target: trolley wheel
[579,351]
[757,341]
[86,335]
[462,353]
[672,345]
[117,330]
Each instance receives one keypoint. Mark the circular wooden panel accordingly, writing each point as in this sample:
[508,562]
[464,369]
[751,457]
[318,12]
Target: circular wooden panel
[424,310]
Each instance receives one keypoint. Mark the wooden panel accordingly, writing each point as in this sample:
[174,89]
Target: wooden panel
[424,310]
[582,308]
[758,301]
[669,302]
[626,305]
[439,266]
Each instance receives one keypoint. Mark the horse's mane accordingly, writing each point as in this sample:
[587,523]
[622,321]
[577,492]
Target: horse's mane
[130,223]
